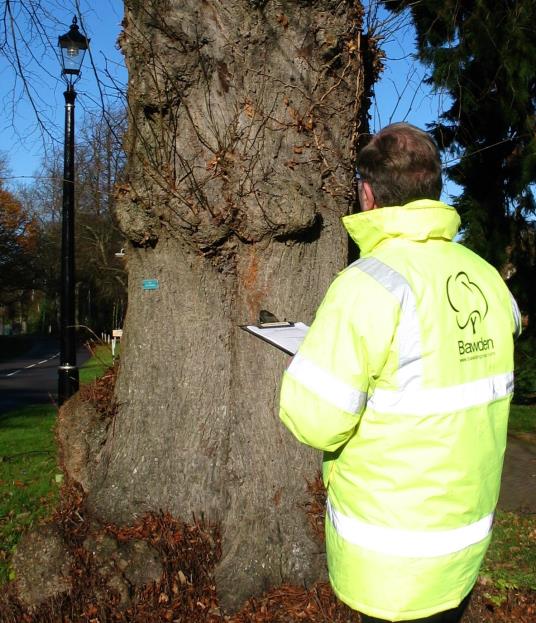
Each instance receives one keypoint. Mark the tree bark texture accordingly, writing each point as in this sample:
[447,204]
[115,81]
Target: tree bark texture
[244,116]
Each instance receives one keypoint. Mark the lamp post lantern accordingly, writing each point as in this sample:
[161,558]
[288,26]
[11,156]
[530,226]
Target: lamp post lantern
[73,46]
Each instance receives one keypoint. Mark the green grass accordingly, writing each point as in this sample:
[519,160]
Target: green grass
[511,558]
[97,365]
[29,477]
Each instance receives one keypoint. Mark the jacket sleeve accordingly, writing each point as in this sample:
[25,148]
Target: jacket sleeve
[518,326]
[324,390]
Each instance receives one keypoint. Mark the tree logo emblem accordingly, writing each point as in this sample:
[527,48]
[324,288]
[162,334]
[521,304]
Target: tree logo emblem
[467,300]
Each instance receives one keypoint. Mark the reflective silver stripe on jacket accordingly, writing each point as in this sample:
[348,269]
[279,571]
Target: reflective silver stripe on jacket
[409,372]
[517,317]
[440,400]
[408,543]
[326,386]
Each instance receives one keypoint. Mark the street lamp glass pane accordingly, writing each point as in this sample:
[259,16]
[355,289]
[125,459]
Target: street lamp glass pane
[72,60]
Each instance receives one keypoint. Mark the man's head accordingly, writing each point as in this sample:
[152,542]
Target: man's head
[399,164]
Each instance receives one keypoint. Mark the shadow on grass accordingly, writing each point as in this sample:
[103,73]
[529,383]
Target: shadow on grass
[25,416]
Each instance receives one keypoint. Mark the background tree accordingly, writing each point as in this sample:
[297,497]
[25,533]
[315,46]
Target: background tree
[18,243]
[101,278]
[483,55]
[101,275]
[32,82]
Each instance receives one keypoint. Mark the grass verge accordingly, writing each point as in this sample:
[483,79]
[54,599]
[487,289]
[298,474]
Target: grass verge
[29,476]
[511,559]
[100,360]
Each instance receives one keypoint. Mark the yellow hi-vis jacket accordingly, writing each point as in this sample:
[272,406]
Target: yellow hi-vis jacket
[404,380]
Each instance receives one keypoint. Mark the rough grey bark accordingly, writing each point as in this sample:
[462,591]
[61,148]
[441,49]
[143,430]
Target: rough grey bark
[243,122]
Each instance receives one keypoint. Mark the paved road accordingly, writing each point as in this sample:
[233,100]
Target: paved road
[518,490]
[32,378]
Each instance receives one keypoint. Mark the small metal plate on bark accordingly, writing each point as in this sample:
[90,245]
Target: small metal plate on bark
[150,284]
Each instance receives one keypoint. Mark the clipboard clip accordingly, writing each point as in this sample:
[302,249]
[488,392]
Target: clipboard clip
[268,321]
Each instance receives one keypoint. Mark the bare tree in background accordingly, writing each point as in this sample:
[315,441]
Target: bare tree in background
[101,277]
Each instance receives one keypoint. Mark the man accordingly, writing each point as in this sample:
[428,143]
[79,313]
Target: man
[404,380]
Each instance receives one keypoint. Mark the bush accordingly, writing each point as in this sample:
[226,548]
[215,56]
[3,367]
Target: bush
[525,370]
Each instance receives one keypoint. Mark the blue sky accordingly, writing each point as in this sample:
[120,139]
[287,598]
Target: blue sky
[400,93]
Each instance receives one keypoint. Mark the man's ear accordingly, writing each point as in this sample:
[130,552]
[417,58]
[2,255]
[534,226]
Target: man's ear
[367,197]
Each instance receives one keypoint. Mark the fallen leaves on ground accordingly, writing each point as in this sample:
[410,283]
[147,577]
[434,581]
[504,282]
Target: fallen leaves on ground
[186,592]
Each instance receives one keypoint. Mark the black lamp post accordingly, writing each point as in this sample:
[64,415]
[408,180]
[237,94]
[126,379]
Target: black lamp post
[73,46]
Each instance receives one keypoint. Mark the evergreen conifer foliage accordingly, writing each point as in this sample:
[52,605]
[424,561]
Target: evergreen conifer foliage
[482,54]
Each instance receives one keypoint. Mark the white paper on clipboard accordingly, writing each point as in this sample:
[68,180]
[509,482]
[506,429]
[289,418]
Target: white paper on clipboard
[287,338]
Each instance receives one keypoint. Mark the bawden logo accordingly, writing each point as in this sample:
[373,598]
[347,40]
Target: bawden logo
[467,300]
[471,307]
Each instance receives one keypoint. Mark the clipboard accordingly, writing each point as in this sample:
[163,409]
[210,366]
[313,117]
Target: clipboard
[287,336]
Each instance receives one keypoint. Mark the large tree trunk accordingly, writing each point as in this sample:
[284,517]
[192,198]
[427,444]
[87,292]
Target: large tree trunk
[244,117]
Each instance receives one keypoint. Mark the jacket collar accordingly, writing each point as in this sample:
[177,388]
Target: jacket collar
[419,220]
